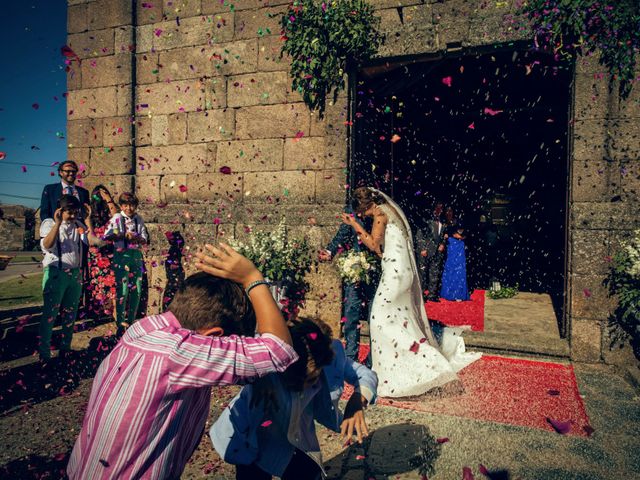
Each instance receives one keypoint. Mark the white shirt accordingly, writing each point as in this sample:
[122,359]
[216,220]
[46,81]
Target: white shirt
[70,241]
[120,224]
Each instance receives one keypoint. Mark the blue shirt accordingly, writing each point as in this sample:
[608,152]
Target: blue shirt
[245,434]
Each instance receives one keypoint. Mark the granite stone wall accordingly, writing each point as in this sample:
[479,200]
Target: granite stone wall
[189,103]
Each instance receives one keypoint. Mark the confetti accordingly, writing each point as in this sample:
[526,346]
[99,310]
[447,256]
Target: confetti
[266,423]
[395,138]
[447,81]
[225,170]
[559,426]
[3,155]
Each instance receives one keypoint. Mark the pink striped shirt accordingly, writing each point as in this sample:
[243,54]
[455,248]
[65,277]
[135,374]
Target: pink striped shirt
[150,397]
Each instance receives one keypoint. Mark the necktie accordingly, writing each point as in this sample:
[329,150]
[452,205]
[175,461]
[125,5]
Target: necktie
[68,190]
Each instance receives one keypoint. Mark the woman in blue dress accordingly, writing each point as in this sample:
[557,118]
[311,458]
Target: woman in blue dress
[454,275]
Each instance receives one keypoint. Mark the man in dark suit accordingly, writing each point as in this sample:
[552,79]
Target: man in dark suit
[430,244]
[68,173]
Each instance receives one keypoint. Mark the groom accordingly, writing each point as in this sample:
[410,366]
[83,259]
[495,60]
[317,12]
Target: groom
[430,243]
[356,296]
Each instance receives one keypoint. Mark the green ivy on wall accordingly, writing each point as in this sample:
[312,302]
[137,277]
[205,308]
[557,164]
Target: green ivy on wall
[610,28]
[324,39]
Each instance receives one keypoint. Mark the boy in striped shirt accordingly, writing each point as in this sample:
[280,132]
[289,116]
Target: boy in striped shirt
[150,397]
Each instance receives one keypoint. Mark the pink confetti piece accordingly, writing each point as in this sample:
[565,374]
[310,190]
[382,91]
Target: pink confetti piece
[483,470]
[587,292]
[415,347]
[3,155]
[216,221]
[24,169]
[492,112]
[447,81]
[183,188]
[395,138]
[35,106]
[559,426]
[225,170]
[442,440]
[299,135]
[360,457]
[266,423]
[313,335]
[157,32]
[472,125]
[467,474]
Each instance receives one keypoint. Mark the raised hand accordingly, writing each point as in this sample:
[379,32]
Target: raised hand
[225,262]
[348,219]
[57,215]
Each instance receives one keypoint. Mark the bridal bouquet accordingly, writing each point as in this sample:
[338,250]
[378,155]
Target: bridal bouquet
[356,267]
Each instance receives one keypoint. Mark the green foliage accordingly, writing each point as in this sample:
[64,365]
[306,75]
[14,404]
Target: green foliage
[504,292]
[623,281]
[325,39]
[570,27]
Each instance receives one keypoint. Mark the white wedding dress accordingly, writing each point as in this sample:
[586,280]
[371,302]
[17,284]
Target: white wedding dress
[405,354]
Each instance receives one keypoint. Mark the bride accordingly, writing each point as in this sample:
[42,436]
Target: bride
[405,354]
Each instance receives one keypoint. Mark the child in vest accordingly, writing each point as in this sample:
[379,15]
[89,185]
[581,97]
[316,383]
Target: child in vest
[268,428]
[128,232]
[150,397]
[61,239]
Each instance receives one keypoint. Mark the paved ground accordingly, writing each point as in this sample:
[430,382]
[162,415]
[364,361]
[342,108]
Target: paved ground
[16,269]
[37,437]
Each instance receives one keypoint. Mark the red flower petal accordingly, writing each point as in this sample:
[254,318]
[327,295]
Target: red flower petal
[415,347]
[183,188]
[467,474]
[266,423]
[560,426]
[225,170]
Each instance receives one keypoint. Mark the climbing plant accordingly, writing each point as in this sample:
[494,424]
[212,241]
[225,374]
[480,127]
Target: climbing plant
[610,28]
[324,39]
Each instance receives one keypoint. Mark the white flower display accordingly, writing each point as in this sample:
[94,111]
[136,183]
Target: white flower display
[632,249]
[356,267]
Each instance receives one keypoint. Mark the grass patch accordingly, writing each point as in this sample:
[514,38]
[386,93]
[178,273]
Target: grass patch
[21,291]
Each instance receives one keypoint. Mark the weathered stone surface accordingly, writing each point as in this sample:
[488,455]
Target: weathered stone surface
[159,130]
[590,252]
[586,341]
[592,98]
[215,93]
[630,173]
[188,158]
[181,9]
[116,131]
[258,23]
[74,77]
[215,6]
[304,153]
[116,184]
[77,20]
[124,99]
[250,155]
[184,63]
[147,68]
[325,283]
[240,56]
[594,181]
[105,71]
[589,298]
[414,33]
[144,38]
[148,12]
[211,125]
[177,128]
[124,39]
[590,140]
[193,31]
[330,186]
[625,143]
[109,13]
[258,89]
[92,44]
[112,161]
[148,189]
[272,121]
[92,103]
[210,187]
[173,97]
[269,60]
[84,133]
[173,188]
[286,186]
[143,131]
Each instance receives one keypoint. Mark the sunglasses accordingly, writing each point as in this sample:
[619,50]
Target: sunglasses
[69,171]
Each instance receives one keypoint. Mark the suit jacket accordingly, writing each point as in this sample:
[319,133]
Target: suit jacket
[50,196]
[346,238]
[429,239]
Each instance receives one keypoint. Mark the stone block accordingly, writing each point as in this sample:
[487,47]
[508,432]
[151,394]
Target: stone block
[592,98]
[159,130]
[258,23]
[325,283]
[173,97]
[589,64]
[240,56]
[614,353]
[589,298]
[414,33]
[144,38]
[258,89]
[177,128]
[77,20]
[105,71]
[625,143]
[174,9]
[112,161]
[92,44]
[92,103]
[124,39]
[74,77]
[82,157]
[173,159]
[304,153]
[586,341]
[143,131]
[109,13]
[594,181]
[589,140]
[330,186]
[173,188]
[630,181]
[215,93]
[86,132]
[269,59]
[250,155]
[216,6]
[116,184]
[285,187]
[185,63]
[272,121]
[116,132]
[590,252]
[124,99]
[148,12]
[193,31]
[148,190]
[147,68]
[211,125]
[593,216]
[215,186]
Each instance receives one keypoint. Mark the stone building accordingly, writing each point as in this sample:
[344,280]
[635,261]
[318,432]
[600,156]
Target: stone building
[170,92]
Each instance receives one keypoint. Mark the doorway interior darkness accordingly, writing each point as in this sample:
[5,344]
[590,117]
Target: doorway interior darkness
[486,134]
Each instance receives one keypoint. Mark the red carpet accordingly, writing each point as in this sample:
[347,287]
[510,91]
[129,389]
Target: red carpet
[456,314]
[512,391]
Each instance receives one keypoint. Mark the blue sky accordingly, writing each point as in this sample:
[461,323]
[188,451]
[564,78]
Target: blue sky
[32,73]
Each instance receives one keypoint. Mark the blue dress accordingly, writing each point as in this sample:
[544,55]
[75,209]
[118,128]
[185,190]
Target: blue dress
[454,275]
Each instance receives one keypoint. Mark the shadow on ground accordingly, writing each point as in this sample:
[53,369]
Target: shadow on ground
[36,467]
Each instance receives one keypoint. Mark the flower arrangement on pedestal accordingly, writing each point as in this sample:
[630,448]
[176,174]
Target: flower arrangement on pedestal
[357,267]
[284,262]
[623,281]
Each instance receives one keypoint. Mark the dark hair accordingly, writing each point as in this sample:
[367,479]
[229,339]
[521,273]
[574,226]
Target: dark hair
[69,202]
[204,301]
[100,213]
[67,162]
[313,346]
[128,198]
[363,197]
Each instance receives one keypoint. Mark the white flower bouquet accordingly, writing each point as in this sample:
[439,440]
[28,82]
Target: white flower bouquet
[632,250]
[357,267]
